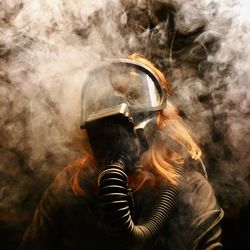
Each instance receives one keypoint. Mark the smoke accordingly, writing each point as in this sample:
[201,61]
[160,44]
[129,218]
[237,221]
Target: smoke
[219,98]
[47,49]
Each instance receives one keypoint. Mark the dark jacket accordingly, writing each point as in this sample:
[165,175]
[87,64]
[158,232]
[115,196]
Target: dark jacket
[65,221]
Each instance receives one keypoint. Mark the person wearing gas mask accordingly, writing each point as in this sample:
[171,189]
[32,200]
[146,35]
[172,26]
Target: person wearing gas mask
[136,187]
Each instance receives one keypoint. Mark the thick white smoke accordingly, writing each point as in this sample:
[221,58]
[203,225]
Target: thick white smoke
[47,49]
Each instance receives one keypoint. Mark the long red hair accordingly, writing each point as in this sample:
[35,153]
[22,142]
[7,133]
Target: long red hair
[160,161]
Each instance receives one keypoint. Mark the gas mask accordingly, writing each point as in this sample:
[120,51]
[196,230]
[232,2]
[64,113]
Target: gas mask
[120,101]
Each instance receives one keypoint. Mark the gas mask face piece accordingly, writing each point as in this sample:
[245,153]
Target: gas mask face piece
[120,101]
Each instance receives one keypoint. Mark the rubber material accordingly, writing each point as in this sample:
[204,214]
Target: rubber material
[114,196]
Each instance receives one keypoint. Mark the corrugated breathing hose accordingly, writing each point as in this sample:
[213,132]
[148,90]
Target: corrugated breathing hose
[114,194]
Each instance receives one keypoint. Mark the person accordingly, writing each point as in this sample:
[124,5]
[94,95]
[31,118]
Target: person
[71,214]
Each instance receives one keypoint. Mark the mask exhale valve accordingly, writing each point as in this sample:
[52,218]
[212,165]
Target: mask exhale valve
[114,196]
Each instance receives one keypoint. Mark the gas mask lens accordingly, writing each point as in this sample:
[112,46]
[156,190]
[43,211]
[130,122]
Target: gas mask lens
[135,86]
[122,81]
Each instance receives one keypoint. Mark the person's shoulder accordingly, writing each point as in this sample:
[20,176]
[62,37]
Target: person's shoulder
[198,193]
[62,185]
[197,180]
[60,189]
[62,180]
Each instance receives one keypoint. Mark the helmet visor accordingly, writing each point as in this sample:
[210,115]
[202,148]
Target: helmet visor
[135,86]
[119,83]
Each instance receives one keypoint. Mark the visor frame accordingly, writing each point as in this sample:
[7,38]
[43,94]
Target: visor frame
[135,108]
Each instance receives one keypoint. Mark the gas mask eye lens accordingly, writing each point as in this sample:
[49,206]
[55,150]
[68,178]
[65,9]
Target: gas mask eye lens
[134,96]
[121,82]
[135,86]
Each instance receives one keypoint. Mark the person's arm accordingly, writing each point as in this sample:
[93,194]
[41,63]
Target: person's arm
[206,230]
[43,232]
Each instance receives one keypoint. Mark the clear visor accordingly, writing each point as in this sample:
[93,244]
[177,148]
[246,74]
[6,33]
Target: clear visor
[108,87]
[136,87]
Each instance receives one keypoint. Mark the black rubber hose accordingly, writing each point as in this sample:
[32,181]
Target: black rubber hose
[113,190]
